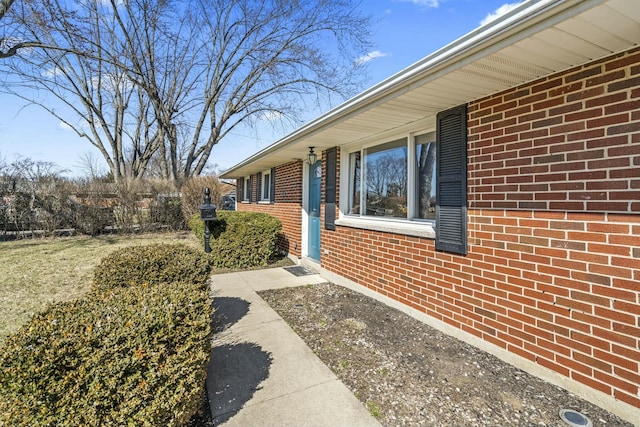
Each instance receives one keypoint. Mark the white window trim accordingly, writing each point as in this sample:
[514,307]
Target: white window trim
[412,191]
[401,226]
[265,186]
[410,226]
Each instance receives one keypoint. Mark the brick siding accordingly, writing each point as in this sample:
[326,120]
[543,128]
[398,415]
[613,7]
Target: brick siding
[287,207]
[553,270]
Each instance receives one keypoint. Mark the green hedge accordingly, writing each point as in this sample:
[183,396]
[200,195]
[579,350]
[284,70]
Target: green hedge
[151,264]
[240,239]
[128,356]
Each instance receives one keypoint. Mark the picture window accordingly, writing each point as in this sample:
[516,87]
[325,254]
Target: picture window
[396,179]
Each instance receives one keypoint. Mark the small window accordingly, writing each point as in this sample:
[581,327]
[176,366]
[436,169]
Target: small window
[246,194]
[426,176]
[266,186]
[354,183]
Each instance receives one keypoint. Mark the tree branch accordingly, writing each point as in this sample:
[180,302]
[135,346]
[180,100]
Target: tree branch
[13,50]
[4,7]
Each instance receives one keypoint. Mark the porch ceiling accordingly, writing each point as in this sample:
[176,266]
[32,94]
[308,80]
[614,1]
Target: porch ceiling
[537,39]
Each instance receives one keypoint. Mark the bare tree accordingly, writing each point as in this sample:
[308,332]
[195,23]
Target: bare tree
[236,62]
[30,195]
[426,164]
[386,183]
[91,165]
[171,79]
[12,37]
[4,7]
[93,91]
[8,45]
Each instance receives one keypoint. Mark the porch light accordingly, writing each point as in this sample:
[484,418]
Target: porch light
[311,157]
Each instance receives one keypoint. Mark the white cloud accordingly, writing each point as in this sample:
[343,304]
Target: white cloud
[505,8]
[369,56]
[271,116]
[51,73]
[110,82]
[64,126]
[424,3]
[119,3]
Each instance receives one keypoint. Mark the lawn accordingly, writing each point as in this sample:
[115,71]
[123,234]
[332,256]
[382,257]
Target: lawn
[38,272]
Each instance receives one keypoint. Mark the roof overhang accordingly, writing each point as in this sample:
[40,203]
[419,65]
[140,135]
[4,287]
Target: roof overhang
[536,39]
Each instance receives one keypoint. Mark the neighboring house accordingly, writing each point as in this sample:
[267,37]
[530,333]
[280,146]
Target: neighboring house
[493,186]
[227,196]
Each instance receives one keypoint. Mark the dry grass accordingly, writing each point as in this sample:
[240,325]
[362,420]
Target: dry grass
[35,273]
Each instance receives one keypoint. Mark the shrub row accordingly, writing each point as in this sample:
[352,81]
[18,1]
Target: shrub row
[240,239]
[133,352]
[90,207]
[151,264]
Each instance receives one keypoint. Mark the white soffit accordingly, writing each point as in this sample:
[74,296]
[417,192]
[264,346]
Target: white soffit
[537,39]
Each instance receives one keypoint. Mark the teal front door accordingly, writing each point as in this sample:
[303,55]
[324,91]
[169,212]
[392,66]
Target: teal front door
[315,181]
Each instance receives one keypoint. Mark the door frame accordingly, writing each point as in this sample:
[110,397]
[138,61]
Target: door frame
[305,210]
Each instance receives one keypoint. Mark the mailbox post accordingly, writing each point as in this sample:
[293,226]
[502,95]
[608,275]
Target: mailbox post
[207,214]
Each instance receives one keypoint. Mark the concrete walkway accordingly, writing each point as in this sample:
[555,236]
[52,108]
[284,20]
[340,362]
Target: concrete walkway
[261,373]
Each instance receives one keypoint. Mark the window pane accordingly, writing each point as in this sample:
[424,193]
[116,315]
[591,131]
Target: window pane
[266,186]
[386,180]
[354,183]
[426,171]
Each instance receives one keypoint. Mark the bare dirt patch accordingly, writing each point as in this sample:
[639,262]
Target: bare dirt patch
[409,374]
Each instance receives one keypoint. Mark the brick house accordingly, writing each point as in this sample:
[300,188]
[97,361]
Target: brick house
[491,189]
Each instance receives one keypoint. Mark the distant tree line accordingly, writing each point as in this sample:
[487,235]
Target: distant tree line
[36,199]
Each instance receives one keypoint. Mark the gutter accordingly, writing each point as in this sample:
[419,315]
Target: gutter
[515,25]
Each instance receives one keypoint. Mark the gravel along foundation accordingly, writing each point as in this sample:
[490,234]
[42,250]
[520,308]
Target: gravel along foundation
[409,374]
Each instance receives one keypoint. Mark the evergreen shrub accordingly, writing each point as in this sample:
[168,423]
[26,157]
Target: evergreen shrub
[125,356]
[240,239]
[150,264]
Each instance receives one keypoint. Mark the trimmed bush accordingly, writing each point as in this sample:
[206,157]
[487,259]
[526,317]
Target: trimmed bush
[196,225]
[151,264]
[128,356]
[240,239]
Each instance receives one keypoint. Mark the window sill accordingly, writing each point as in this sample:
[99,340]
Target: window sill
[408,228]
[264,202]
[245,201]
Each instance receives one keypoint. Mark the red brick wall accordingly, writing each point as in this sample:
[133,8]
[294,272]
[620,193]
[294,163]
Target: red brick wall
[287,207]
[553,270]
[567,143]
[289,183]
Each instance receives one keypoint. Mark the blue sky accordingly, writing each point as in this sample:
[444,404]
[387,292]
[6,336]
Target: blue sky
[405,31]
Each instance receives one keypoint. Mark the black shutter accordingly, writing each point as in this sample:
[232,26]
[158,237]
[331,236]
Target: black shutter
[250,195]
[451,186]
[272,191]
[259,187]
[330,190]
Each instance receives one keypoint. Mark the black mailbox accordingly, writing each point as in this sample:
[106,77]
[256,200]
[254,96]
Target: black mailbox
[207,210]
[207,214]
